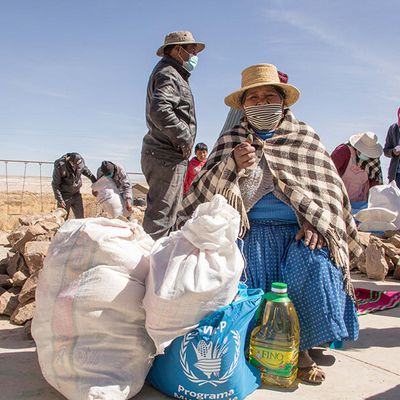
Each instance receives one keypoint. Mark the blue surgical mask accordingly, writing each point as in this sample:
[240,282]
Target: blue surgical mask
[363,157]
[110,175]
[190,64]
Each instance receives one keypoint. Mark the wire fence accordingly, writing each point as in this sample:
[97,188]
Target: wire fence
[20,178]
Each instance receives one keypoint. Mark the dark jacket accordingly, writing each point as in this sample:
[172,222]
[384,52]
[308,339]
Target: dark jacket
[121,180]
[392,140]
[67,182]
[170,113]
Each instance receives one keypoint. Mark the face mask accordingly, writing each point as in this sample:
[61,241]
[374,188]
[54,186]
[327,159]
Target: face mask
[110,175]
[264,117]
[363,157]
[190,64]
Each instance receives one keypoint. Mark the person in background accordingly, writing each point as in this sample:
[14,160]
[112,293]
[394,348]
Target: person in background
[358,164]
[392,150]
[296,220]
[67,182]
[195,164]
[117,173]
[171,120]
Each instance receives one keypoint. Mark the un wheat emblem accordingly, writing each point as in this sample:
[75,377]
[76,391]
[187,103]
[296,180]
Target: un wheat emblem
[209,359]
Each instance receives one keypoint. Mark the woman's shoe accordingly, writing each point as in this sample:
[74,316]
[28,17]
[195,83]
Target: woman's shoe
[313,374]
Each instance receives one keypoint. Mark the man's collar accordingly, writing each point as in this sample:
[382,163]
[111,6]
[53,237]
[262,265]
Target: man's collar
[177,65]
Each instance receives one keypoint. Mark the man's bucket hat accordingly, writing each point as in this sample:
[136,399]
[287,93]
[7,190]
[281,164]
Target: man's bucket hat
[180,37]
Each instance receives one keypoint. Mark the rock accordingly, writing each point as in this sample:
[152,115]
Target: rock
[391,251]
[5,281]
[3,238]
[8,301]
[396,273]
[31,234]
[15,263]
[395,240]
[389,234]
[19,278]
[23,313]
[376,265]
[3,265]
[28,289]
[28,329]
[364,238]
[16,235]
[34,255]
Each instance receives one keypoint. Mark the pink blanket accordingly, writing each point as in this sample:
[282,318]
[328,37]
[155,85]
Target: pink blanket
[373,300]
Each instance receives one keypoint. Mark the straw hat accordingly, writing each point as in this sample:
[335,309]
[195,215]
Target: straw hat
[261,75]
[367,143]
[180,37]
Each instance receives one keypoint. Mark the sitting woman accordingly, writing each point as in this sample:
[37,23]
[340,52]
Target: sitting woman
[359,166]
[295,214]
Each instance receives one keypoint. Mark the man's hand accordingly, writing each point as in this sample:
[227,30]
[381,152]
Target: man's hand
[61,204]
[396,150]
[128,205]
[94,193]
[244,155]
[311,236]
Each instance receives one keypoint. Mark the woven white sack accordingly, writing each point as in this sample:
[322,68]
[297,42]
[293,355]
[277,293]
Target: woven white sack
[108,197]
[89,323]
[193,272]
[386,196]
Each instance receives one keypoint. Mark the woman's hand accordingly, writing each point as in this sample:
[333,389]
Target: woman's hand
[311,236]
[244,155]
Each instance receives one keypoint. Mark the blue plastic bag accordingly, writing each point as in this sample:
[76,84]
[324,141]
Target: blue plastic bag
[209,362]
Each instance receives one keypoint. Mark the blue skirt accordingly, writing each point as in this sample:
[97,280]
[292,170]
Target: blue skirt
[315,285]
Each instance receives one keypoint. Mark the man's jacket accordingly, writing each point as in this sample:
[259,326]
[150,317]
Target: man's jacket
[392,140]
[66,181]
[170,113]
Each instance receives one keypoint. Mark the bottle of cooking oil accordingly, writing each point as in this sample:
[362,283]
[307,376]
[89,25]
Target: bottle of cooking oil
[274,344]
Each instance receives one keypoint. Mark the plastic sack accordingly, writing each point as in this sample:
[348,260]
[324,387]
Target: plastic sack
[377,214]
[89,323]
[209,362]
[386,196]
[193,272]
[378,226]
[109,198]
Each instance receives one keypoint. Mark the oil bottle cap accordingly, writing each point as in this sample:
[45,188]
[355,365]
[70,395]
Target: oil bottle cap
[279,287]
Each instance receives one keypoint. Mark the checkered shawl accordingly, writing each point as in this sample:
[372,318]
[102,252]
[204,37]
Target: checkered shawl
[372,167]
[303,171]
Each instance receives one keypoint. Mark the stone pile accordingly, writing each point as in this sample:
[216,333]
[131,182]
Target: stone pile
[381,258]
[19,270]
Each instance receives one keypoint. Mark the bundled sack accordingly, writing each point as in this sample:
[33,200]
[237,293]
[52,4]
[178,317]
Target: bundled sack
[376,219]
[109,198]
[89,323]
[193,272]
[209,362]
[388,197]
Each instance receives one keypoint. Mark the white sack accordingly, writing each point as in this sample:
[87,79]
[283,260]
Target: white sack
[193,272]
[108,197]
[376,226]
[89,323]
[386,196]
[376,214]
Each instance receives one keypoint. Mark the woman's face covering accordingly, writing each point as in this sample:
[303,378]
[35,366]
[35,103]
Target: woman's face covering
[262,95]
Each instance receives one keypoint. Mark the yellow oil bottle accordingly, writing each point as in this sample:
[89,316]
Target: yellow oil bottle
[274,344]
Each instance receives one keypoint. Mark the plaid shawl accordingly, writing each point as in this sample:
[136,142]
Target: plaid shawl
[371,166]
[303,171]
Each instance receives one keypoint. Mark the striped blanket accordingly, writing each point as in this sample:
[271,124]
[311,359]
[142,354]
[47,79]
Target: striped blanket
[372,300]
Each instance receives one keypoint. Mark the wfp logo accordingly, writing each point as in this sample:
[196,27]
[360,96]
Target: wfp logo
[207,358]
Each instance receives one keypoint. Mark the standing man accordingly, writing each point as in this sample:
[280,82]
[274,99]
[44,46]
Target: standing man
[392,150]
[67,182]
[171,120]
[117,173]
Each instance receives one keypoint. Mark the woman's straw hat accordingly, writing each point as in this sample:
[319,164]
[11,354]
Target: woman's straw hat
[367,143]
[261,75]
[180,37]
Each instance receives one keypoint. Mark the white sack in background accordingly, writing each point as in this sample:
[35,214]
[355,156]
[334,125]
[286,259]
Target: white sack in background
[89,322]
[108,197]
[386,196]
[193,272]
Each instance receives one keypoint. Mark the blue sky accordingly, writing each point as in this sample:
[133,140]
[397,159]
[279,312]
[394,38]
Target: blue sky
[73,73]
